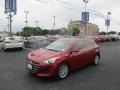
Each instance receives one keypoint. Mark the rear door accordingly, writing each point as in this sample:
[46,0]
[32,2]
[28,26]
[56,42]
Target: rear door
[77,58]
[89,51]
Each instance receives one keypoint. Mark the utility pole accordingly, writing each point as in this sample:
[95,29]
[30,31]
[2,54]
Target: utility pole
[85,21]
[107,21]
[8,23]
[26,17]
[10,10]
[85,1]
[36,22]
[54,23]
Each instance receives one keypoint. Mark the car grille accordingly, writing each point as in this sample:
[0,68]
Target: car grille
[35,67]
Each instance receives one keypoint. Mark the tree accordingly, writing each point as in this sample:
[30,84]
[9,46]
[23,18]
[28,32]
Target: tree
[37,31]
[102,33]
[27,31]
[112,32]
[75,31]
[44,32]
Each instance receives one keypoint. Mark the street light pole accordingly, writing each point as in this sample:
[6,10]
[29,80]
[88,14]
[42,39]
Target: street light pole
[10,23]
[85,1]
[108,21]
[10,10]
[36,22]
[84,23]
[54,22]
[26,21]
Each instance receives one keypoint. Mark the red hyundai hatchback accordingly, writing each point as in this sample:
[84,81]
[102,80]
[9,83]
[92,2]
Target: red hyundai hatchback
[63,56]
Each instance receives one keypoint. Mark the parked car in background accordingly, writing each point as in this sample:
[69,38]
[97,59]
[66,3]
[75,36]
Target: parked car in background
[19,38]
[54,38]
[12,42]
[36,42]
[103,38]
[119,37]
[108,38]
[63,56]
[1,41]
[114,37]
[97,39]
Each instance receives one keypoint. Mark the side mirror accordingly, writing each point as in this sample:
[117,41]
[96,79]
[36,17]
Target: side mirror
[75,50]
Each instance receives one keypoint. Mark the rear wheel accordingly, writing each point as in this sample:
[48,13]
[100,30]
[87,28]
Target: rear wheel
[97,60]
[63,71]
[21,48]
[4,49]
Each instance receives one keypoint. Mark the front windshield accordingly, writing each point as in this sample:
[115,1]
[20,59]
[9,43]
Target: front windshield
[59,45]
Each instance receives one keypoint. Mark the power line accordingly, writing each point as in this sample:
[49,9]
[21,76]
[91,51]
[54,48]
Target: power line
[62,3]
[43,1]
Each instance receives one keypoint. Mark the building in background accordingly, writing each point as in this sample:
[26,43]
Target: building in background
[5,34]
[90,29]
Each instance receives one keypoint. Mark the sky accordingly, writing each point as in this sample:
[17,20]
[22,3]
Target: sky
[64,10]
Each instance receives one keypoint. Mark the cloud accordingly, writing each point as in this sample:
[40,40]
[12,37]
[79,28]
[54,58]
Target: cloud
[44,12]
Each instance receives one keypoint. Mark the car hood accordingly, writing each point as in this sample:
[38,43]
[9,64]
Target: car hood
[43,54]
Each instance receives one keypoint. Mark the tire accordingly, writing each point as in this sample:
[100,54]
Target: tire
[63,71]
[21,48]
[4,49]
[96,60]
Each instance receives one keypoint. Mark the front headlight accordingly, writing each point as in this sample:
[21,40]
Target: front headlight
[50,61]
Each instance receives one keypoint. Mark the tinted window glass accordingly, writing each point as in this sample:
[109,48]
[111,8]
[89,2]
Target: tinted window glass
[83,44]
[88,43]
[11,38]
[79,45]
[59,45]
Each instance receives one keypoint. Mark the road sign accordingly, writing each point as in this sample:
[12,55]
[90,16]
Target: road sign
[10,6]
[14,6]
[85,16]
[7,6]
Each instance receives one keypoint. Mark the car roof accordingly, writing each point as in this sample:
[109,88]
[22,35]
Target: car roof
[72,39]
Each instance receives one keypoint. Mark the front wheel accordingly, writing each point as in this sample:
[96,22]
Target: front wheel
[97,60]
[63,71]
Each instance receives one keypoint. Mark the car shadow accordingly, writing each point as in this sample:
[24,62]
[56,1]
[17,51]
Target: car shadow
[42,79]
[72,75]
[14,50]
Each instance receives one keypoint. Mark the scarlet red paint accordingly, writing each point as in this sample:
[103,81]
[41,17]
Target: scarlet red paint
[79,52]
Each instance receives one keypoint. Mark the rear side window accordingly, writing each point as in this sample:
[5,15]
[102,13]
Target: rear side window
[83,44]
[11,38]
[88,43]
[79,45]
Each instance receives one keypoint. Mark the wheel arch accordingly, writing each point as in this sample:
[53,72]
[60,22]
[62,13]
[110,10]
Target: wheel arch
[98,54]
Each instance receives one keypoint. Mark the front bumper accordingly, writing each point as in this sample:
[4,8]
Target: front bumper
[42,70]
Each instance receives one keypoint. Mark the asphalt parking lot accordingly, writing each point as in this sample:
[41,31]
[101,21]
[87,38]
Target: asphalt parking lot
[105,76]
